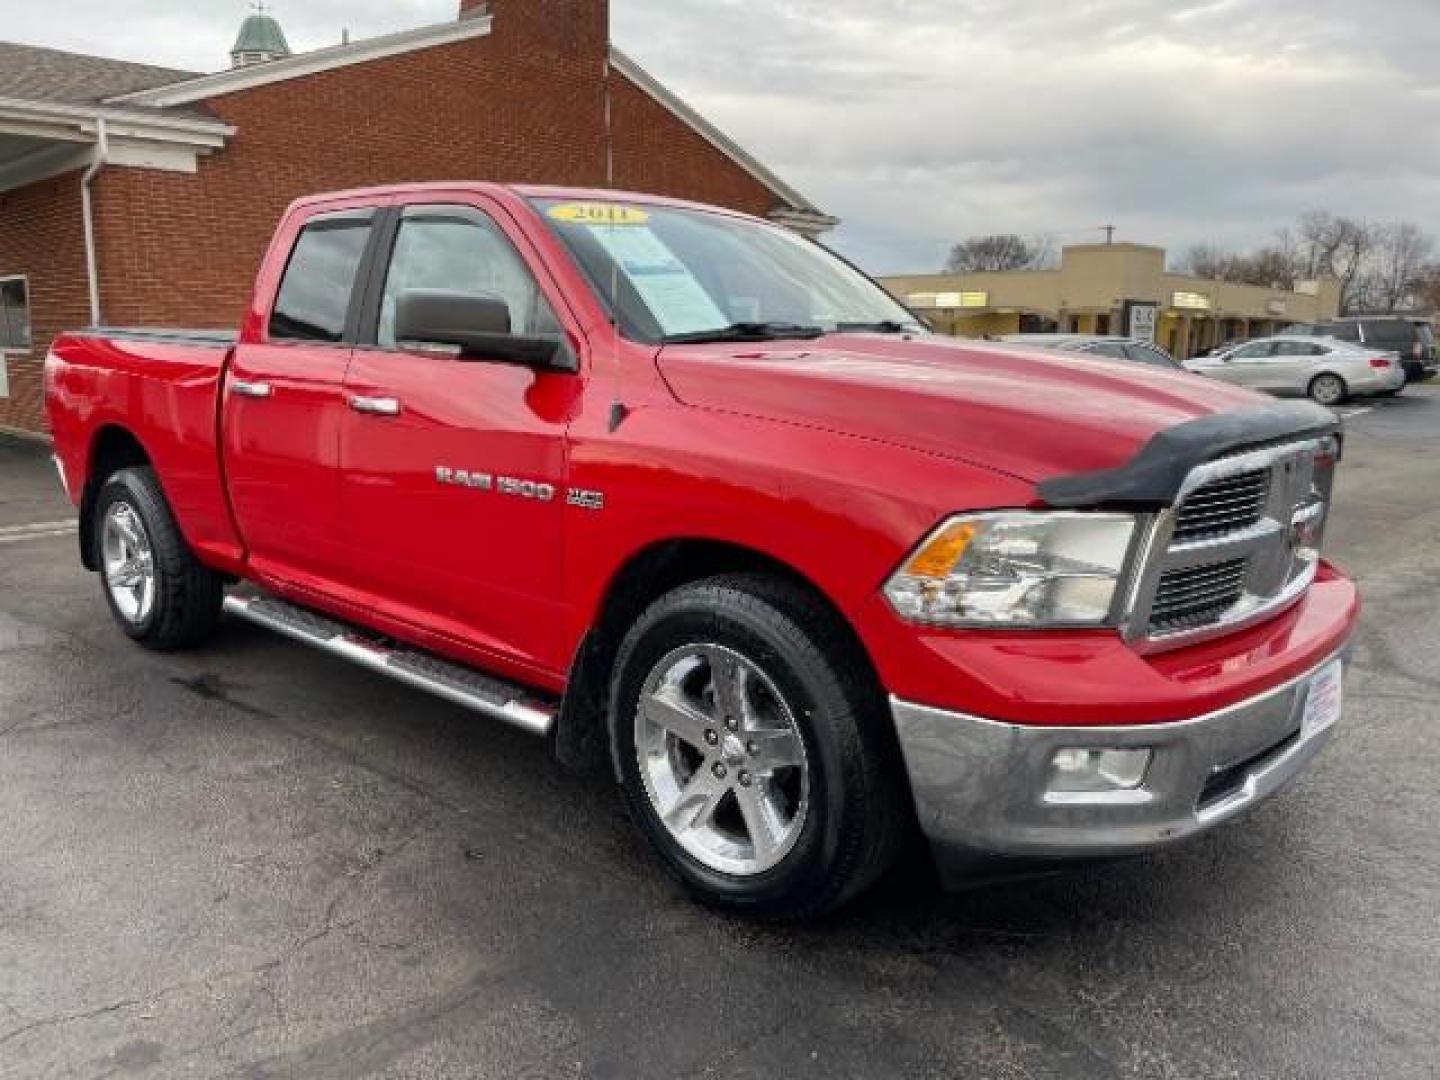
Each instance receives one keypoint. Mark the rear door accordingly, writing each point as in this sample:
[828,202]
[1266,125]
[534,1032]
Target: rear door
[283,402]
[454,471]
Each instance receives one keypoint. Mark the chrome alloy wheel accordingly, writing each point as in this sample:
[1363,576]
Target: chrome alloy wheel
[1328,390]
[129,562]
[722,759]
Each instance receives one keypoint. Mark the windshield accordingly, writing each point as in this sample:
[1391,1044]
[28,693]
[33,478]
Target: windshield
[687,275]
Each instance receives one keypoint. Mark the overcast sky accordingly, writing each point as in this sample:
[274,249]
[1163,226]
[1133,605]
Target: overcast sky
[924,121]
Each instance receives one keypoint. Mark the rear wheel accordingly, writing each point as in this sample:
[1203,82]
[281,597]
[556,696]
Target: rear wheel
[1328,390]
[753,750]
[156,589]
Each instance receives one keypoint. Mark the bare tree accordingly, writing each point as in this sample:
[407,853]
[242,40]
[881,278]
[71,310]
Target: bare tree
[1271,266]
[1337,247]
[1003,251]
[1402,253]
[1207,261]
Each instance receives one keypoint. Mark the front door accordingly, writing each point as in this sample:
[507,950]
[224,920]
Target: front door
[283,404]
[454,470]
[1246,365]
[1286,369]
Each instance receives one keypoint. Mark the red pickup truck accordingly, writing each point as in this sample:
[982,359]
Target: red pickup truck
[677,489]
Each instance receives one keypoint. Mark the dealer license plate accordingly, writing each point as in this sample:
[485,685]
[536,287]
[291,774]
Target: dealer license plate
[1323,704]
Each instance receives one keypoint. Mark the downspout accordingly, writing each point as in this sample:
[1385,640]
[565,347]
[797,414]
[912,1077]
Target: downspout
[92,266]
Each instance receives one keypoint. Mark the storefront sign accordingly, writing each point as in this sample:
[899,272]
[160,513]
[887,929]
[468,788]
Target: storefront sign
[1140,320]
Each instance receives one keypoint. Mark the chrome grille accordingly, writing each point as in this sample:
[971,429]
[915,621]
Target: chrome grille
[1197,595]
[1241,543]
[1224,505]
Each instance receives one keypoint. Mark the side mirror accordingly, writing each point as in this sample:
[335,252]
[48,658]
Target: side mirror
[478,324]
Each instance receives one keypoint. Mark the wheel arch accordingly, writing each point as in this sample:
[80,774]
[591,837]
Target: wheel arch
[648,574]
[112,448]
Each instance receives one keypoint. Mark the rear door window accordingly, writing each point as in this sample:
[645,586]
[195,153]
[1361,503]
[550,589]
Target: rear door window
[318,290]
[1343,331]
[1143,354]
[1114,350]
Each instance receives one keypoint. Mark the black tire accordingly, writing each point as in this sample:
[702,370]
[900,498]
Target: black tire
[187,595]
[857,816]
[1322,390]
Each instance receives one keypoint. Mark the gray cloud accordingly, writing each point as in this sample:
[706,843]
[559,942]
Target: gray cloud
[922,121]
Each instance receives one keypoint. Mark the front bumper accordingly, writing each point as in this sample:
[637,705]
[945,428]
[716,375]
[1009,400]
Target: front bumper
[982,788]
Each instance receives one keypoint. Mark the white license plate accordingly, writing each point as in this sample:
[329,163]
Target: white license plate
[1323,703]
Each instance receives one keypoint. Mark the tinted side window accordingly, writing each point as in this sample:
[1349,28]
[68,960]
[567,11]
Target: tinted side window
[1253,352]
[1348,331]
[1146,355]
[460,249]
[1389,333]
[1298,348]
[319,283]
[1114,351]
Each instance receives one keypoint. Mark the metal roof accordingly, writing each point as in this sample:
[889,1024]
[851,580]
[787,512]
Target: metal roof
[261,34]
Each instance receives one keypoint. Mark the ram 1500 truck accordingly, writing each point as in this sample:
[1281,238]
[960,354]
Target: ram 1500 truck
[683,492]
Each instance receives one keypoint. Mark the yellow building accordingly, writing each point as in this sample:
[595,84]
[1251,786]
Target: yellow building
[1120,289]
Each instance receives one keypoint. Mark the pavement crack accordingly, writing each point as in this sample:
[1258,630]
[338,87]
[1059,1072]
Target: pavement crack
[71,1018]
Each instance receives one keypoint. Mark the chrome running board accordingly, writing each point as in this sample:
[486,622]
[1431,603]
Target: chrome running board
[424,671]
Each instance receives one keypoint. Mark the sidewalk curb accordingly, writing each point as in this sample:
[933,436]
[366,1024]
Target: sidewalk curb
[19,434]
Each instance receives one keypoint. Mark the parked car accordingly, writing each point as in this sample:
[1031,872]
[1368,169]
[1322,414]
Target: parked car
[1412,340]
[1326,370]
[1116,348]
[682,493]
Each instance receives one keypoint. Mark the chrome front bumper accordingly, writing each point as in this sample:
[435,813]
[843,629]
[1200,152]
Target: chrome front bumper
[982,788]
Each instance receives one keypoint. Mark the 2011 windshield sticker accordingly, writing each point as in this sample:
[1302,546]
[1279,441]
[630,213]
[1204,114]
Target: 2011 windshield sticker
[599,214]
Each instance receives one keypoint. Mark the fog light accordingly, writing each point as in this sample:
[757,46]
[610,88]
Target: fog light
[1099,770]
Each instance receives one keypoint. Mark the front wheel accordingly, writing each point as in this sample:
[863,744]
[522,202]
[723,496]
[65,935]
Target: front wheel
[752,748]
[1328,390]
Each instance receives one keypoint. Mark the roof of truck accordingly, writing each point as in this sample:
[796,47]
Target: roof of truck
[524,191]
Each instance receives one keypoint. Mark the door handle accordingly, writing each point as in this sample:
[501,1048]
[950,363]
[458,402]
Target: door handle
[251,389]
[375,406]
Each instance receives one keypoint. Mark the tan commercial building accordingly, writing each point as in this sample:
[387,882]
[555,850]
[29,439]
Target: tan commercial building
[1120,289]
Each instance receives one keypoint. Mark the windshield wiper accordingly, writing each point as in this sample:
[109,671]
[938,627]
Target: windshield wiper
[884,326]
[747,331]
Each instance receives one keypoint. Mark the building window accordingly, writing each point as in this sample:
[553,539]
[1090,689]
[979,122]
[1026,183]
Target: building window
[14,314]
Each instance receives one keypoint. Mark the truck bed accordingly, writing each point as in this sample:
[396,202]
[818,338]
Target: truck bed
[162,386]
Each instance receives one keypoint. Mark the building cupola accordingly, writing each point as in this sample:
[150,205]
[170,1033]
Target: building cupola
[261,40]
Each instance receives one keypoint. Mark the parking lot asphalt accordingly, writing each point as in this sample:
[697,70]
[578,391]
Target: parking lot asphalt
[255,861]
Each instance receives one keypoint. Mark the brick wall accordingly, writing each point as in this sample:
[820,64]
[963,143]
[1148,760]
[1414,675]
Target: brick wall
[41,236]
[524,104]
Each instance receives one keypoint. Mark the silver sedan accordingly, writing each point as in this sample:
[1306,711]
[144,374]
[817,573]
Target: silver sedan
[1325,369]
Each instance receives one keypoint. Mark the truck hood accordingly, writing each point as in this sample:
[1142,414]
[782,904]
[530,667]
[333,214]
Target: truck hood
[1033,414]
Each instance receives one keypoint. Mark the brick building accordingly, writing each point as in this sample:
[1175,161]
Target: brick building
[132,194]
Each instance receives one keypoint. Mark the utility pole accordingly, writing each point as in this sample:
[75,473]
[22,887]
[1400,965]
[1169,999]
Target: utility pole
[1109,231]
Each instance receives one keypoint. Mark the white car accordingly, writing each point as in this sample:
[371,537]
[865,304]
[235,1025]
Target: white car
[1325,369]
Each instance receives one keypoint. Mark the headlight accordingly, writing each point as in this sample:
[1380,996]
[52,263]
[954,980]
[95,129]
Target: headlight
[1017,568]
